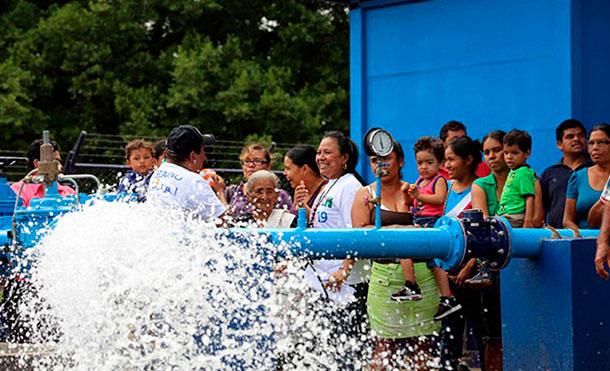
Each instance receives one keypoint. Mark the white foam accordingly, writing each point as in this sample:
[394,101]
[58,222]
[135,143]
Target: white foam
[131,287]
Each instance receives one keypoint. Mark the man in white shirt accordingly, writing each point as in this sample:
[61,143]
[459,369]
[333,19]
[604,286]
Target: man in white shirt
[177,181]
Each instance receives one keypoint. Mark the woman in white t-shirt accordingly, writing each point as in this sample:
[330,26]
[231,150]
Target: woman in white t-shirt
[337,157]
[342,281]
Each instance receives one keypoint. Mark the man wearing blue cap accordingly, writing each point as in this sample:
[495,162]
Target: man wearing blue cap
[177,181]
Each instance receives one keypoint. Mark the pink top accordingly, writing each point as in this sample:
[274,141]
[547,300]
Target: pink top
[428,189]
[31,191]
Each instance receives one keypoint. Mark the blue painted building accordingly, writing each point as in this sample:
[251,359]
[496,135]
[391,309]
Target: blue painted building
[498,64]
[494,64]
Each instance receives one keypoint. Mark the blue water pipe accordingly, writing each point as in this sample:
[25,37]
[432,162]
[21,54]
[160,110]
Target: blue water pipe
[451,242]
[378,197]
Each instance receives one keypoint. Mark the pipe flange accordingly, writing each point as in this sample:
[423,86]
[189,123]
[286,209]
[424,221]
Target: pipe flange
[457,236]
[503,252]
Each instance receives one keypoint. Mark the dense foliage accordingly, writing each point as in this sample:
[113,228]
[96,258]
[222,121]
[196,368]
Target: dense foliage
[232,67]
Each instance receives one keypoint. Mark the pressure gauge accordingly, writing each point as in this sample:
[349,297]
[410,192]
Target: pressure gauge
[378,142]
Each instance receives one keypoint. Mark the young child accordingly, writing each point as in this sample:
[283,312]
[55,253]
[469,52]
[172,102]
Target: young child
[138,154]
[429,193]
[517,202]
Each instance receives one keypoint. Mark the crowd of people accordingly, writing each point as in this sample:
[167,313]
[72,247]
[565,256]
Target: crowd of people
[415,311]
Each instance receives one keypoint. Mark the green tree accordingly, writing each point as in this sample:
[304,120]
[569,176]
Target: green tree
[234,68]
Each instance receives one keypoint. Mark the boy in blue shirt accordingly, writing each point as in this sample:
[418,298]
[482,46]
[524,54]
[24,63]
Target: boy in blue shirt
[138,154]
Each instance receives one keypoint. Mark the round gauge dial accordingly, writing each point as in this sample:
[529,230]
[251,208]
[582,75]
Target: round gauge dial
[379,142]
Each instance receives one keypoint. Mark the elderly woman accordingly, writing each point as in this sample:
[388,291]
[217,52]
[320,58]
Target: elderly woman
[262,193]
[253,157]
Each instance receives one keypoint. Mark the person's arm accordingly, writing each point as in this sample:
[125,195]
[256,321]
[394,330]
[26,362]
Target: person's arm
[530,205]
[219,187]
[337,278]
[602,255]
[439,196]
[569,211]
[545,194]
[539,215]
[569,214]
[466,272]
[596,213]
[361,210]
[479,199]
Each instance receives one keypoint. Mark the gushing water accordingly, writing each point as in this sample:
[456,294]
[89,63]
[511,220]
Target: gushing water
[128,286]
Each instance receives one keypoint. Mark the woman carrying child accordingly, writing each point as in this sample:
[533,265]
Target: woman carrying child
[401,330]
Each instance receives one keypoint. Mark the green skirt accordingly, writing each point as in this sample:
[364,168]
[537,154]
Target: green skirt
[392,320]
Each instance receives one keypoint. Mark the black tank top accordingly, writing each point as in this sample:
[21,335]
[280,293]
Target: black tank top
[389,217]
[393,218]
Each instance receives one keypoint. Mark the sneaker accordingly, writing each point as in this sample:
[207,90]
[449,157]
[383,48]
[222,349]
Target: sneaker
[481,279]
[447,306]
[410,292]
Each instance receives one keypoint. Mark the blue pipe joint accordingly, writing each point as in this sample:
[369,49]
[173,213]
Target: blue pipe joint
[455,256]
[487,239]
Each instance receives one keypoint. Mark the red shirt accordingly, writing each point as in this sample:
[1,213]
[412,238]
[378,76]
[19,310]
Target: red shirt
[482,170]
